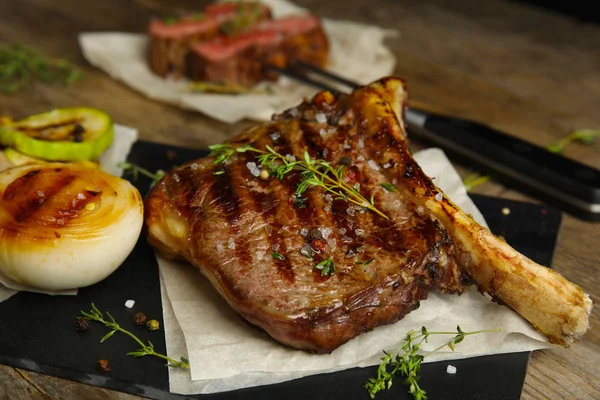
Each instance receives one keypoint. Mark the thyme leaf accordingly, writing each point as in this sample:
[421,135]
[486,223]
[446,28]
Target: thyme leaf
[584,136]
[277,256]
[326,267]
[314,172]
[365,262]
[135,170]
[406,361]
[146,349]
[389,187]
[20,65]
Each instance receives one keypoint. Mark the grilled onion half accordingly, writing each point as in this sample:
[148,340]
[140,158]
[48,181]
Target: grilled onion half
[64,226]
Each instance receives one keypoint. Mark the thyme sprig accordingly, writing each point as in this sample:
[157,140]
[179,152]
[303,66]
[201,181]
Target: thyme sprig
[146,350]
[326,267]
[406,361]
[20,65]
[136,170]
[585,136]
[315,172]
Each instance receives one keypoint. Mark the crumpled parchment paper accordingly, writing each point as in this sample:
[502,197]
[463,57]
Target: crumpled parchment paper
[225,353]
[124,137]
[357,52]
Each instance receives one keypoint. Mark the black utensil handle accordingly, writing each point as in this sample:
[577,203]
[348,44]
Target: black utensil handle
[556,179]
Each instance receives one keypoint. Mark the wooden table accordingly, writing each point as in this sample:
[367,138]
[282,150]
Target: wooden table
[521,70]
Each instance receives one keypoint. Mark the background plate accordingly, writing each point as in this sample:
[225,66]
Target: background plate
[36,331]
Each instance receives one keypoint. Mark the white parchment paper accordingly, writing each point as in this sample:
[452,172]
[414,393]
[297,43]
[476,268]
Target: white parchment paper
[357,52]
[124,137]
[225,353]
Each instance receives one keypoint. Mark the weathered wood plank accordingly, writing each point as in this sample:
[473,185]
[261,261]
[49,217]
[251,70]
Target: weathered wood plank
[528,72]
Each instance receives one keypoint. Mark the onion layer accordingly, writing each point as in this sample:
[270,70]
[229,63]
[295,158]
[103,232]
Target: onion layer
[64,226]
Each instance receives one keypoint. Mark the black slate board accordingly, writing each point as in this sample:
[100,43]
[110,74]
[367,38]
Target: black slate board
[36,331]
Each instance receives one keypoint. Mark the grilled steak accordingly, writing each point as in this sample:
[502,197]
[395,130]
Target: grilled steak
[170,40]
[237,59]
[259,244]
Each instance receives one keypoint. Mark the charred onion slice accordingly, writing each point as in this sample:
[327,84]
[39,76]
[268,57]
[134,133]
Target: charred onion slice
[67,134]
[64,226]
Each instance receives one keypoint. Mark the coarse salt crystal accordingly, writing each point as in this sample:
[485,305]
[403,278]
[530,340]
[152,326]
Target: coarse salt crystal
[304,231]
[290,157]
[350,254]
[129,303]
[359,232]
[80,196]
[231,244]
[325,152]
[439,196]
[328,198]
[361,143]
[394,181]
[360,158]
[373,165]
[397,203]
[361,249]
[451,369]
[176,177]
[347,146]
[275,247]
[274,136]
[342,231]
[387,165]
[332,243]
[293,112]
[326,232]
[351,211]
[321,118]
[347,239]
[322,132]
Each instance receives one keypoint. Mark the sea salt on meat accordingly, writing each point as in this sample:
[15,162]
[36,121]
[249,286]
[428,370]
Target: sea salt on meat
[373,165]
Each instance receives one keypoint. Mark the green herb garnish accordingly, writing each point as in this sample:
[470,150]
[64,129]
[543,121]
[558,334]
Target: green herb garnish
[326,267]
[365,262]
[277,256]
[389,187]
[585,136]
[406,361]
[136,170]
[170,21]
[475,179]
[20,65]
[147,349]
[315,172]
[247,14]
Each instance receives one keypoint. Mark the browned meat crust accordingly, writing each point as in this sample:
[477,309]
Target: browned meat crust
[228,224]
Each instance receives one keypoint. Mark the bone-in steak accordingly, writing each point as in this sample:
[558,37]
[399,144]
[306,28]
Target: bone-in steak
[258,243]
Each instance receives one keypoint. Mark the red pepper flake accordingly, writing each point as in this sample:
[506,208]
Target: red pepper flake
[544,211]
[351,175]
[57,235]
[318,245]
[103,365]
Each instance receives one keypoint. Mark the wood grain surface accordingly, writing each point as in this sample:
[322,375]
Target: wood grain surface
[525,71]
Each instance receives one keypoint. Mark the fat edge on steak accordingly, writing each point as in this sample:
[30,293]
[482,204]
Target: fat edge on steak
[228,224]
